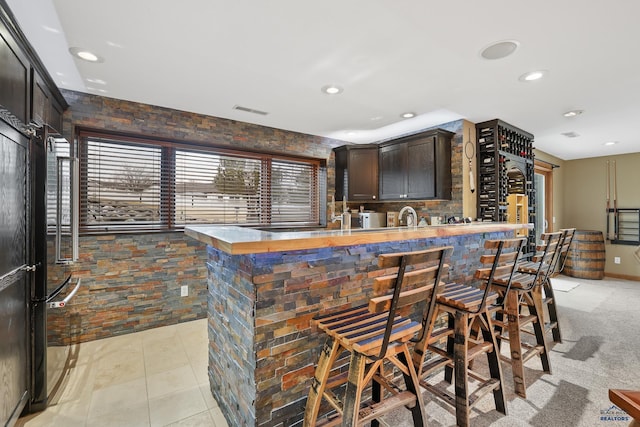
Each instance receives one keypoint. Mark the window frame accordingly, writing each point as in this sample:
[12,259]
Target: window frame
[167,218]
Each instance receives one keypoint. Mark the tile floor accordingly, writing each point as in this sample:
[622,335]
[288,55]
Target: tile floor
[152,378]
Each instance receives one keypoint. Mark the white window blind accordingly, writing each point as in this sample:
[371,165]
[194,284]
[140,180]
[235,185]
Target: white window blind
[294,192]
[121,184]
[218,189]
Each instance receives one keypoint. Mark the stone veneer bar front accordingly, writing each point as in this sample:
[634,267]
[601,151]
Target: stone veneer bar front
[264,288]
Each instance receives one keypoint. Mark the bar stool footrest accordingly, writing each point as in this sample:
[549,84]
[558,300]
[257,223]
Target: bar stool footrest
[474,397]
[337,380]
[435,363]
[376,410]
[525,320]
[336,420]
[550,325]
[483,390]
[531,352]
[439,335]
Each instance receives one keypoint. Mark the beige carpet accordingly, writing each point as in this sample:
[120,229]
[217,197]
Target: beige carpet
[564,284]
[600,350]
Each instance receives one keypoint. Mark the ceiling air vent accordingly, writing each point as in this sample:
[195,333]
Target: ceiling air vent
[249,110]
[570,134]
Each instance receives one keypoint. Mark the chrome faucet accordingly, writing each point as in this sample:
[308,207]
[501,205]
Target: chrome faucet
[412,217]
[344,218]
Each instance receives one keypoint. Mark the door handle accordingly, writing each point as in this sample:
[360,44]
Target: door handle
[30,267]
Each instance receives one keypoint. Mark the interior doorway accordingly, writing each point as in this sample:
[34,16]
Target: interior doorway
[543,181]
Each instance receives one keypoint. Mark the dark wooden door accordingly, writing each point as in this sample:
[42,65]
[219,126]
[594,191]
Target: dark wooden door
[393,171]
[421,168]
[14,280]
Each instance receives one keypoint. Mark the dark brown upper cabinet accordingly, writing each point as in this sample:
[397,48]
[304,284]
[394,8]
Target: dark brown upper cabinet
[416,167]
[40,103]
[45,109]
[14,76]
[357,172]
[29,96]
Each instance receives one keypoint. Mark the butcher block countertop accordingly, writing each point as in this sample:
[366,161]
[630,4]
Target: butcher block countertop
[242,240]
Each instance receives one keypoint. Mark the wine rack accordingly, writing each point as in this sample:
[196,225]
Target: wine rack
[505,166]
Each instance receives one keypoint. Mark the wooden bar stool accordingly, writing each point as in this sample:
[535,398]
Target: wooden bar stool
[567,238]
[548,263]
[377,335]
[524,311]
[549,298]
[467,308]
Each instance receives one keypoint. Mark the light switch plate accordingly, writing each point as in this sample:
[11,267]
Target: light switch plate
[184,291]
[616,260]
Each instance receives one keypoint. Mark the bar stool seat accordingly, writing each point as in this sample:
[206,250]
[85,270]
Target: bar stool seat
[469,333]
[376,336]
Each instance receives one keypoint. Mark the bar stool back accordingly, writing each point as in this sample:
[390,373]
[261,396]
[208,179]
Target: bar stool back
[467,308]
[567,238]
[549,299]
[377,335]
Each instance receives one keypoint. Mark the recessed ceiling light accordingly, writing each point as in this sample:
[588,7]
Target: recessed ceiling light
[85,55]
[611,143]
[573,113]
[532,76]
[408,115]
[331,89]
[499,50]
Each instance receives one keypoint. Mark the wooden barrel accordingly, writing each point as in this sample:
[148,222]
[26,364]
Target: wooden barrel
[586,256]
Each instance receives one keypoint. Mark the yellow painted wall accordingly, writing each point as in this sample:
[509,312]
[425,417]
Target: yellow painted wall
[584,204]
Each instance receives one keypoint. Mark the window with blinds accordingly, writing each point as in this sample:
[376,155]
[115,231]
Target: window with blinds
[130,183]
[293,192]
[219,189]
[121,184]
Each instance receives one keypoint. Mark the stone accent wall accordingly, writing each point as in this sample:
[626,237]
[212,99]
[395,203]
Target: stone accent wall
[99,112]
[129,283]
[262,350]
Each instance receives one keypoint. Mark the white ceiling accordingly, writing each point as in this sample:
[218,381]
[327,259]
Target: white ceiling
[207,56]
